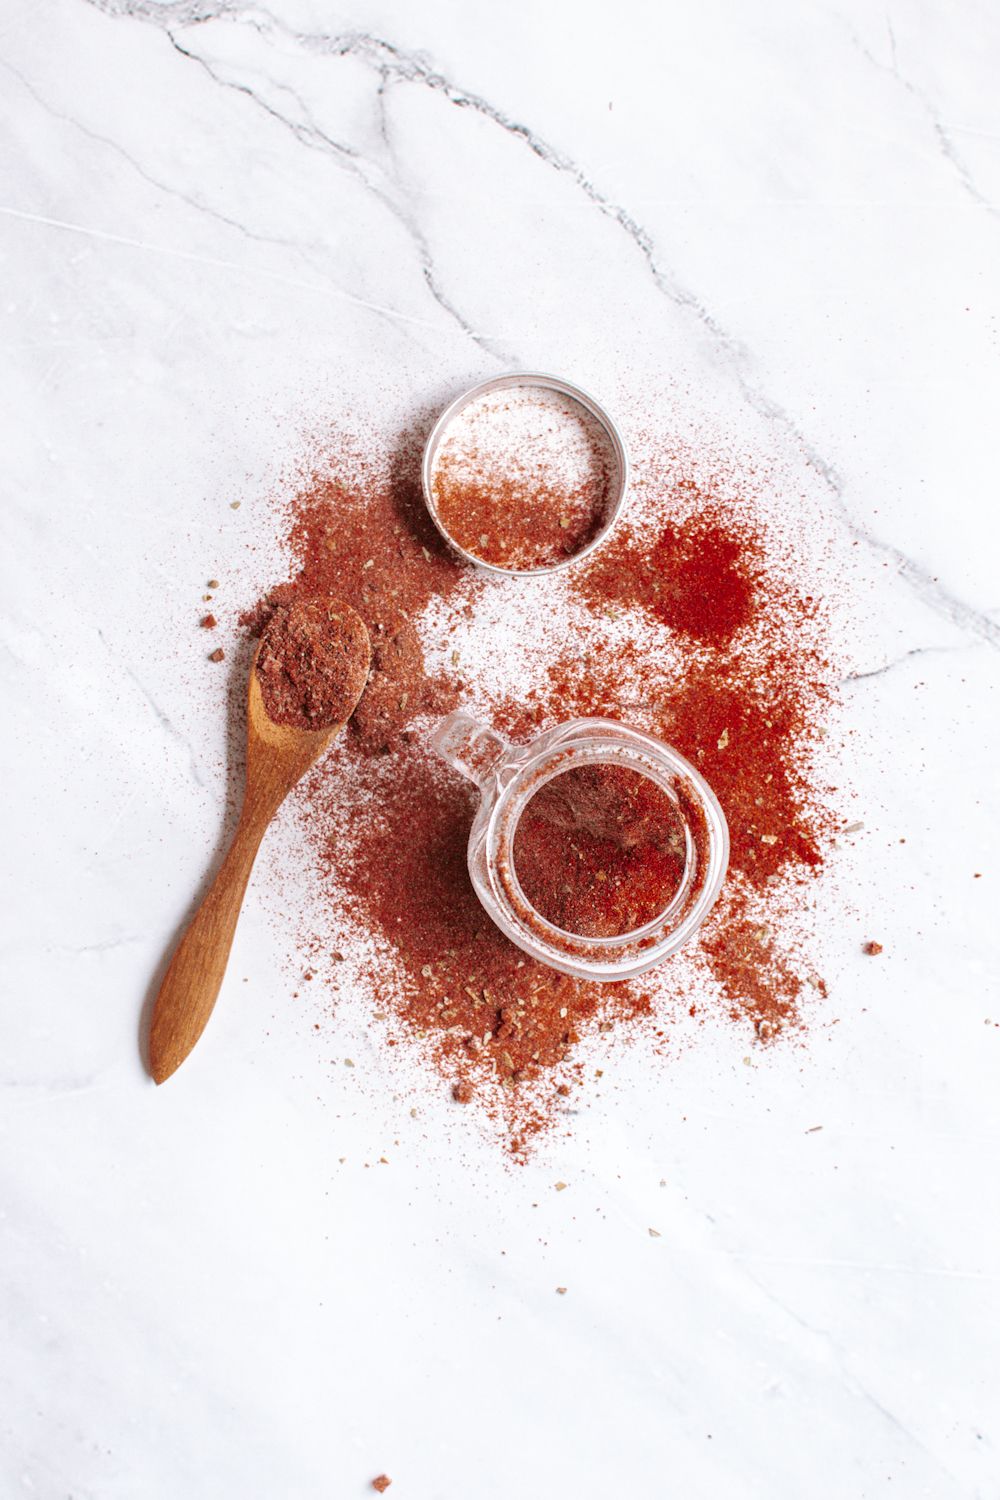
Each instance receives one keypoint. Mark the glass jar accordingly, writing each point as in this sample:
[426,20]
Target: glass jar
[508,776]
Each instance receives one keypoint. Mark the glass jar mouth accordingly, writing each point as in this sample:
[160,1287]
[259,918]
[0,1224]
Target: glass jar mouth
[603,742]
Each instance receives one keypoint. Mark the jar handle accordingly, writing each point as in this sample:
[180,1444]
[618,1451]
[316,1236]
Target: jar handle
[471,748]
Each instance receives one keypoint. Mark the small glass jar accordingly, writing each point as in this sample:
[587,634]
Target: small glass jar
[508,776]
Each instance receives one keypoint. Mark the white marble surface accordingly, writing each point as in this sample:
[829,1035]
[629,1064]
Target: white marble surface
[220,222]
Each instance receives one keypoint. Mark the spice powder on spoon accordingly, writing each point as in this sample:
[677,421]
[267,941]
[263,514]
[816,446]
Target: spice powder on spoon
[312,663]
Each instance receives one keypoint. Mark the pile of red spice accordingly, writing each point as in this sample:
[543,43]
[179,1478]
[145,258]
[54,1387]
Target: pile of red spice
[691,623]
[697,577]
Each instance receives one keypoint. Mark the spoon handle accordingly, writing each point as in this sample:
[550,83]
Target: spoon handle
[191,984]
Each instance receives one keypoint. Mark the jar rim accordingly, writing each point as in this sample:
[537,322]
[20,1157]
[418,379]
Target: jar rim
[597,741]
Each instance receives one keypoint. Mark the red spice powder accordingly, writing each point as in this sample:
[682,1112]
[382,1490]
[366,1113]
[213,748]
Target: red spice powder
[599,851]
[312,664]
[519,523]
[369,541]
[697,577]
[397,687]
[743,698]
[400,870]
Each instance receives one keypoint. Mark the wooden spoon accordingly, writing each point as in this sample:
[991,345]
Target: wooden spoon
[278,756]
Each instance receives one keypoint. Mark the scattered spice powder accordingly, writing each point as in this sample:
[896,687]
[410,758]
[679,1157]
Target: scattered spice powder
[524,478]
[396,679]
[599,851]
[691,624]
[312,664]
[696,577]
[339,525]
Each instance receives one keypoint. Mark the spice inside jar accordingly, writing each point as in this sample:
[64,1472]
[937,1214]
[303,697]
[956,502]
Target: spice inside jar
[600,850]
[525,478]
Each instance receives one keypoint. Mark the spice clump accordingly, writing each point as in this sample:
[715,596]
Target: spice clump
[599,851]
[364,536]
[313,663]
[395,684]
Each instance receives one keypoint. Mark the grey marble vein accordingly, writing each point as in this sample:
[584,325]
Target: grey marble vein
[351,161]
[403,322]
[942,138]
[155,182]
[836,1352]
[898,661]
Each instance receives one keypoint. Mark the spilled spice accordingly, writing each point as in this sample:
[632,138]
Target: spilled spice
[485,1009]
[599,851]
[313,663]
[362,534]
[697,578]
[524,478]
[397,677]
[691,624]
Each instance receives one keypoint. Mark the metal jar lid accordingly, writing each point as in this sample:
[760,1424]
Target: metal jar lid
[526,380]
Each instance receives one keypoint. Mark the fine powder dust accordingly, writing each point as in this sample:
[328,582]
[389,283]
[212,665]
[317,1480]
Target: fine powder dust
[697,622]
[524,477]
